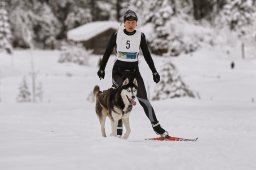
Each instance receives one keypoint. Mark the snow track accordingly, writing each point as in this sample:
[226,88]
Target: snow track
[63,132]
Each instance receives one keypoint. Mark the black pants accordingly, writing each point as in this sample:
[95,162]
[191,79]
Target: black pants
[120,72]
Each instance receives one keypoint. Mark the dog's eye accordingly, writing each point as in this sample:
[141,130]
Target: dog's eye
[128,90]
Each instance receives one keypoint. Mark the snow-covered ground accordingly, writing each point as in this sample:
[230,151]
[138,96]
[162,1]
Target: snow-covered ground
[62,132]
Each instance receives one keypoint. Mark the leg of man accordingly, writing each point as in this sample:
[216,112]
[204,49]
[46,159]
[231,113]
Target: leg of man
[148,109]
[143,100]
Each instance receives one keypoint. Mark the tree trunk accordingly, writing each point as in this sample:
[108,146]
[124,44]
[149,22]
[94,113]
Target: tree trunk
[94,11]
[202,8]
[118,9]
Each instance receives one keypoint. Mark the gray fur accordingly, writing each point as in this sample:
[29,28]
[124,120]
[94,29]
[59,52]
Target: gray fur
[115,104]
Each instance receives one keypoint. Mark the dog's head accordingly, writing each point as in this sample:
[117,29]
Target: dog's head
[129,90]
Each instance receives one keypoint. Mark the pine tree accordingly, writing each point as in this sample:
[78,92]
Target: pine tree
[39,92]
[24,93]
[37,18]
[74,53]
[167,38]
[46,26]
[5,29]
[77,16]
[23,21]
[157,12]
[237,14]
[171,84]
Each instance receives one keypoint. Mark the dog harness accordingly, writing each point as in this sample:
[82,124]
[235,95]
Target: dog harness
[128,46]
[120,111]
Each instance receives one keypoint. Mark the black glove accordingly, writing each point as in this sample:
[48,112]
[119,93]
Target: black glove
[156,77]
[101,74]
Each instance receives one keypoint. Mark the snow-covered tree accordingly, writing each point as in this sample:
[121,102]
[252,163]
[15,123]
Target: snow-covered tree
[236,22]
[77,16]
[103,9]
[71,14]
[74,53]
[171,84]
[45,26]
[5,29]
[36,18]
[237,14]
[21,26]
[169,20]
[49,21]
[158,12]
[39,92]
[24,93]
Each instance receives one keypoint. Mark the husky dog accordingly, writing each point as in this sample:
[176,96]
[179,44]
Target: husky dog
[116,104]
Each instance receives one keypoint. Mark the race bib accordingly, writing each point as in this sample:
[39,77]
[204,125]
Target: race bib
[128,46]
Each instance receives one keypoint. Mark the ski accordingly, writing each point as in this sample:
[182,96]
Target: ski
[171,138]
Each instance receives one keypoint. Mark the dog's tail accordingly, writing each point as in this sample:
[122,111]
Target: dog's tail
[96,90]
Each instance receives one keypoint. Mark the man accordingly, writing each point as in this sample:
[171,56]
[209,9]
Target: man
[128,43]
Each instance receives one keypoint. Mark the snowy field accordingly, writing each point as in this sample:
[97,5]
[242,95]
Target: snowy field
[62,132]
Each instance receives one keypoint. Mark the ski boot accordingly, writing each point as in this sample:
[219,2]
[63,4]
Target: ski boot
[159,130]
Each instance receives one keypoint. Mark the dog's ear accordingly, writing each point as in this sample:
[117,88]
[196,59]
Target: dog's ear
[125,82]
[135,82]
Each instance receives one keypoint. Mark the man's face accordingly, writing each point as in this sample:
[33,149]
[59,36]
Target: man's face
[130,25]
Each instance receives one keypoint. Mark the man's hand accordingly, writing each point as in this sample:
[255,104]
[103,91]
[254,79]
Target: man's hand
[156,77]
[101,74]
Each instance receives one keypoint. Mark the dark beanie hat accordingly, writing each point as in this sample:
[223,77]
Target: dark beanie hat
[130,15]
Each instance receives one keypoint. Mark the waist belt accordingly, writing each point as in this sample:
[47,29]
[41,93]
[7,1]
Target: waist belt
[127,56]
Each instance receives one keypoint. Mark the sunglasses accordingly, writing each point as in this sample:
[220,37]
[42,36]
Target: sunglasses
[130,15]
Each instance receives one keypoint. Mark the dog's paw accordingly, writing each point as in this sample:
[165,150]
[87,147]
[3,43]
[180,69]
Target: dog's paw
[125,136]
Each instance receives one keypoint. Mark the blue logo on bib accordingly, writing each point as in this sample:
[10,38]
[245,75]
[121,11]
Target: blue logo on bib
[131,55]
[127,55]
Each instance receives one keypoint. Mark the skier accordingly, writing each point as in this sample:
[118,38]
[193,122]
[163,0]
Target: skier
[128,41]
